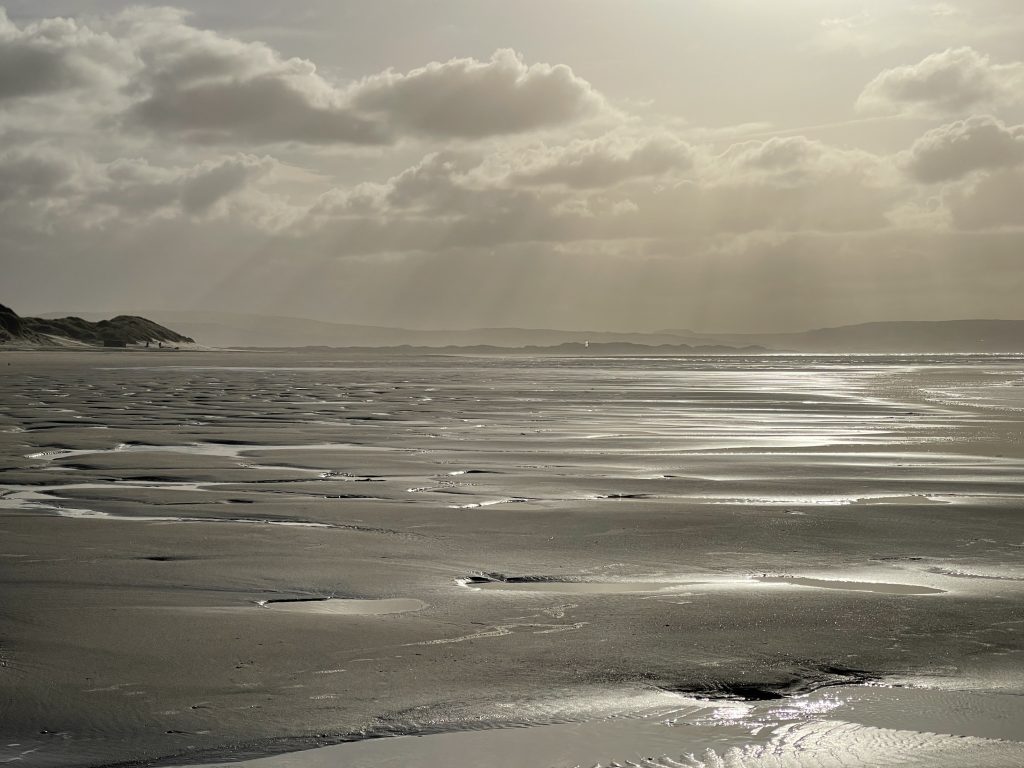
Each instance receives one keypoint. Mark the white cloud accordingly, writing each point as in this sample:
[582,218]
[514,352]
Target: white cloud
[794,160]
[955,150]
[602,162]
[157,74]
[955,81]
[135,187]
[207,88]
[42,189]
[466,98]
[595,191]
[992,201]
[204,87]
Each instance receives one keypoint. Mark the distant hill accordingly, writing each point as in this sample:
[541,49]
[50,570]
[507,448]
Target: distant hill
[569,349]
[120,331]
[225,329]
[895,336]
[231,330]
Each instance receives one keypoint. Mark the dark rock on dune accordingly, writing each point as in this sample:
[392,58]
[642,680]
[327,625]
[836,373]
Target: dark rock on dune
[492,577]
[116,332]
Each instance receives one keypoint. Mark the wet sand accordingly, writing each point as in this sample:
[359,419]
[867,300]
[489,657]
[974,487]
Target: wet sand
[839,726]
[236,555]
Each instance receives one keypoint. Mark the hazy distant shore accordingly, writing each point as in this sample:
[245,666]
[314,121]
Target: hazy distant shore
[232,330]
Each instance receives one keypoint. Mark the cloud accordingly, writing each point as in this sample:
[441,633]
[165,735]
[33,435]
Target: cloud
[26,70]
[955,150]
[693,211]
[260,110]
[992,202]
[43,189]
[136,187]
[152,72]
[579,194]
[792,160]
[471,99]
[603,162]
[207,88]
[51,56]
[32,174]
[951,82]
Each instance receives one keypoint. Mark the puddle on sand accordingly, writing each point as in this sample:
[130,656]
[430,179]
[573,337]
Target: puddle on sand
[538,584]
[343,607]
[852,586]
[227,450]
[578,587]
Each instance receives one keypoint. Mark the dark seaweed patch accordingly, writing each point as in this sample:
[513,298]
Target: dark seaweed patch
[795,684]
[296,600]
[490,577]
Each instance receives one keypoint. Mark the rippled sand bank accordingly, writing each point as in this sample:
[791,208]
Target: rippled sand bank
[839,726]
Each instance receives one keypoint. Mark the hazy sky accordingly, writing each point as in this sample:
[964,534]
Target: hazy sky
[607,164]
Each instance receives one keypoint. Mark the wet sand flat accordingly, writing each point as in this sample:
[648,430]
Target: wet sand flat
[222,555]
[836,726]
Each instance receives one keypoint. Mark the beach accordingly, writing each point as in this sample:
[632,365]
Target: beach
[278,556]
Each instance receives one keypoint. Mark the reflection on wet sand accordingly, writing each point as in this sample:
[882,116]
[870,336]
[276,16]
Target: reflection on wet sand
[343,606]
[852,586]
[578,587]
[538,584]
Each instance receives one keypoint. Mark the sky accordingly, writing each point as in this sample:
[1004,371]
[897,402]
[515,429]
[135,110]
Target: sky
[716,165]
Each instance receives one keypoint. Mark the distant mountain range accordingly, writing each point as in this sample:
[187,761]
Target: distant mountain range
[222,329]
[120,331]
